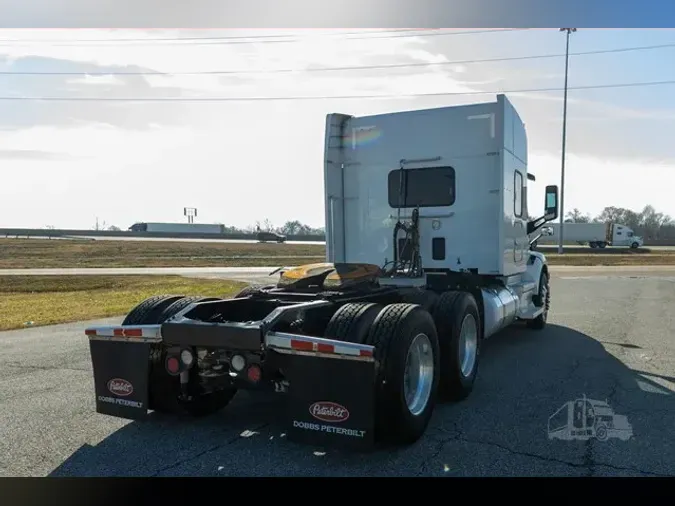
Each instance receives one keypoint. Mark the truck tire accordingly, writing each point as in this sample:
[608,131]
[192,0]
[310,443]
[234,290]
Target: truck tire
[352,322]
[252,290]
[635,245]
[147,312]
[164,389]
[399,332]
[544,296]
[425,298]
[458,323]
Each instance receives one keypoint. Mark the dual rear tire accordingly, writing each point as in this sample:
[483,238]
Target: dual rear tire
[423,350]
[426,350]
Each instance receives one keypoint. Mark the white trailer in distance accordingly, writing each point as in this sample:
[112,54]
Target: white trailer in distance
[178,228]
[595,235]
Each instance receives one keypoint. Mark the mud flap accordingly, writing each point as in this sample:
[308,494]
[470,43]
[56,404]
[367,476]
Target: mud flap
[121,377]
[331,402]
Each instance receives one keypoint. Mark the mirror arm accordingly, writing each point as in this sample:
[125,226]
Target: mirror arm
[535,224]
[532,241]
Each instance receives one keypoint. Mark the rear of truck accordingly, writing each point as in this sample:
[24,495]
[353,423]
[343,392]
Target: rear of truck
[190,356]
[355,345]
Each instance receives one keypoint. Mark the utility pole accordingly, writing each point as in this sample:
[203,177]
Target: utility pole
[567,31]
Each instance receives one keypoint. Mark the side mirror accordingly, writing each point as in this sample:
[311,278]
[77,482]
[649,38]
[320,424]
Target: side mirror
[551,203]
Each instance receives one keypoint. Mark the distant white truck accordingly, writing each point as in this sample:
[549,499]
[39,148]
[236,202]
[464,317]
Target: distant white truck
[178,228]
[596,235]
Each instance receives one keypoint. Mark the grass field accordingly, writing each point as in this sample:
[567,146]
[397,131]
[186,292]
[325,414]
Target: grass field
[43,300]
[43,253]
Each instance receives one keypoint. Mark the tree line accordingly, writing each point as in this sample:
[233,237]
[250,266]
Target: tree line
[648,223]
[652,225]
[293,227]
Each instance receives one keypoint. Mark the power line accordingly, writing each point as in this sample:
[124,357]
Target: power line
[172,39]
[257,39]
[332,69]
[334,97]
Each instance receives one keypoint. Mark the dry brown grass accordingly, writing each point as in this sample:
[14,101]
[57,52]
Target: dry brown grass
[44,253]
[45,300]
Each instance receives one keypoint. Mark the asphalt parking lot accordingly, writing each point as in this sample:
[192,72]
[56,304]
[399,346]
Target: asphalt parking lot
[610,338]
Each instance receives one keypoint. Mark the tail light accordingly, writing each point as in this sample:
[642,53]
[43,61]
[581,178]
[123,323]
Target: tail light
[254,373]
[238,363]
[179,361]
[187,358]
[173,365]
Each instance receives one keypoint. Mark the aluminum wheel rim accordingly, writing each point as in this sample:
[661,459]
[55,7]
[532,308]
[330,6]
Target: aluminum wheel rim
[468,345]
[418,374]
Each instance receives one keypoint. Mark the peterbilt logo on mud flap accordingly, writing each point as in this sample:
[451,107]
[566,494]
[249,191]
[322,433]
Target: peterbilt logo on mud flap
[329,412]
[120,387]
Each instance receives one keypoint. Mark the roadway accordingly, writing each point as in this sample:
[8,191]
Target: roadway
[262,274]
[609,337]
[544,247]
[150,239]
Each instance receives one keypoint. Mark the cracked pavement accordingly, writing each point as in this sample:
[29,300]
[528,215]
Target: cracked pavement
[611,337]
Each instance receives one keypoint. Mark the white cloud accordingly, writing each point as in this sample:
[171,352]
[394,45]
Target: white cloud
[257,62]
[100,80]
[592,184]
[238,162]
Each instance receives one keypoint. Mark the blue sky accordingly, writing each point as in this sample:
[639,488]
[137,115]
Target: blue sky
[67,157]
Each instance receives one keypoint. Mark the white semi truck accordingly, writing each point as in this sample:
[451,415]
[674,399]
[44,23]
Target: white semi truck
[428,255]
[596,235]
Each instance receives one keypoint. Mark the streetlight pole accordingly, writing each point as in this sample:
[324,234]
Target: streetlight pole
[568,31]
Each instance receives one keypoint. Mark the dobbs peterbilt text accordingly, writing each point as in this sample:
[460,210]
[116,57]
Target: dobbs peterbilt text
[329,428]
[120,402]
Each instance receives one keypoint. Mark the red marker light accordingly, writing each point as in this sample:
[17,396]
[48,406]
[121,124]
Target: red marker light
[254,374]
[172,365]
